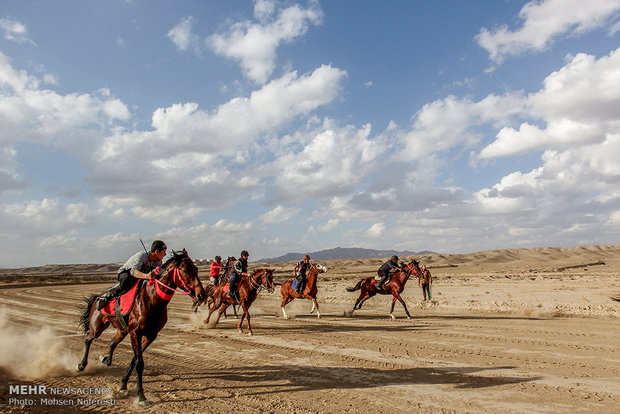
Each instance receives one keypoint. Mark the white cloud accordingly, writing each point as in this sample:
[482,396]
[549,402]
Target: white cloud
[543,22]
[227,226]
[332,162]
[15,31]
[376,230]
[331,225]
[181,34]
[578,105]
[254,45]
[280,214]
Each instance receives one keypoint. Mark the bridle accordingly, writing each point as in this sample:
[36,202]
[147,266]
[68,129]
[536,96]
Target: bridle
[411,269]
[176,279]
[258,286]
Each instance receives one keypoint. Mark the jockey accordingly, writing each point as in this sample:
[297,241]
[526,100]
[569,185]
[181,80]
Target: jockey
[216,266]
[239,269]
[141,265]
[300,272]
[385,269]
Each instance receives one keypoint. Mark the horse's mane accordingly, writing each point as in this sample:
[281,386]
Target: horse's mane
[177,257]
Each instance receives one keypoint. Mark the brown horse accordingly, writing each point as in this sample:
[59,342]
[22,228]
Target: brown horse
[147,317]
[395,287]
[248,291]
[220,281]
[309,292]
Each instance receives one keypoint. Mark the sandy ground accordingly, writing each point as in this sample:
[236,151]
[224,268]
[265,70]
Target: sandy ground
[510,331]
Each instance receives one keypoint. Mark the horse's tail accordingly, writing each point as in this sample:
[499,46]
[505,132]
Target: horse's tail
[356,287]
[85,316]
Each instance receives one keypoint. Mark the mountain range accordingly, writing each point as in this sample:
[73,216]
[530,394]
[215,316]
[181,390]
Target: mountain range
[343,253]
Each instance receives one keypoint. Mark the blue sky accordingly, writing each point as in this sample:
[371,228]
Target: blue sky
[297,126]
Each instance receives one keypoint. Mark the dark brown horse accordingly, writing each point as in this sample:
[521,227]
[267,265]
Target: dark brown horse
[147,317]
[395,287]
[248,291]
[309,292]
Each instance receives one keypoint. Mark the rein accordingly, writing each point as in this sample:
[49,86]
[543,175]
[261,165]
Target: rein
[177,279]
[254,284]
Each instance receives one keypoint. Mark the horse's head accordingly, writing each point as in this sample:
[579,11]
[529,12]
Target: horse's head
[413,267]
[188,274]
[264,277]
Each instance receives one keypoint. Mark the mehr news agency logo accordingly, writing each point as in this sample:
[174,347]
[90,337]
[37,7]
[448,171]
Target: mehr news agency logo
[31,395]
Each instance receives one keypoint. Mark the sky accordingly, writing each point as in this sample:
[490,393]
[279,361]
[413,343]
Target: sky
[297,126]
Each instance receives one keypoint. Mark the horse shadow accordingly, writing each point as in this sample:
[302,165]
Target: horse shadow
[296,378]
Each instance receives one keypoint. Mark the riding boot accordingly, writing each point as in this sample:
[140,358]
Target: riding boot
[232,291]
[108,295]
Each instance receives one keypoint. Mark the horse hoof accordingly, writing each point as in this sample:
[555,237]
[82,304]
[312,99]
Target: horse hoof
[250,334]
[393,317]
[144,403]
[123,393]
[105,361]
[81,367]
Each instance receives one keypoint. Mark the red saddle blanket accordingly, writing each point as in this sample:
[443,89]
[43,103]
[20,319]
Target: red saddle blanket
[127,300]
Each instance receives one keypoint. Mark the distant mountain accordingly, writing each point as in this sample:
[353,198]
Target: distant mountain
[343,253]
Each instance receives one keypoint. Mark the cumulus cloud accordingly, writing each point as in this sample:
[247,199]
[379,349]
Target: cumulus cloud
[545,21]
[254,45]
[15,31]
[576,106]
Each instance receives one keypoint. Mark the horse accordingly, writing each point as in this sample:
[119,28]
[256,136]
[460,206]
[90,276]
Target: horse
[394,287]
[248,291]
[220,281]
[309,292]
[147,317]
[227,269]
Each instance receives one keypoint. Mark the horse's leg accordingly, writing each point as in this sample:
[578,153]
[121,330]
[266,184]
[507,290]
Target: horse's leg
[95,328]
[222,310]
[145,343]
[364,296]
[404,305]
[285,301]
[118,338]
[392,309]
[246,314]
[216,304]
[315,305]
[136,343]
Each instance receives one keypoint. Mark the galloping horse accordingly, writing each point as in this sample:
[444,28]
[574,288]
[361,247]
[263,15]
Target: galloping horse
[394,287]
[147,317]
[248,291]
[309,292]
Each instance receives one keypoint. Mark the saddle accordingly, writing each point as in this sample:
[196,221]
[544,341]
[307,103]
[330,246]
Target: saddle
[295,284]
[121,308]
[226,287]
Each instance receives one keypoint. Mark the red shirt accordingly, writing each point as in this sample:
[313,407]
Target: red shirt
[215,269]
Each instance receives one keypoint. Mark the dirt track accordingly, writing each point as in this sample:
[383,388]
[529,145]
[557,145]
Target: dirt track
[436,362]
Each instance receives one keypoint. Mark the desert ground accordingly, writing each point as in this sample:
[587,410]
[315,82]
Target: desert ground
[506,331]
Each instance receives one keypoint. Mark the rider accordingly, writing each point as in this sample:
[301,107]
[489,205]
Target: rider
[385,269]
[139,266]
[216,266]
[239,269]
[300,272]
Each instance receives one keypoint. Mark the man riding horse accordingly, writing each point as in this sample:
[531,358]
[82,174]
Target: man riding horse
[239,270]
[141,265]
[300,273]
[385,269]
